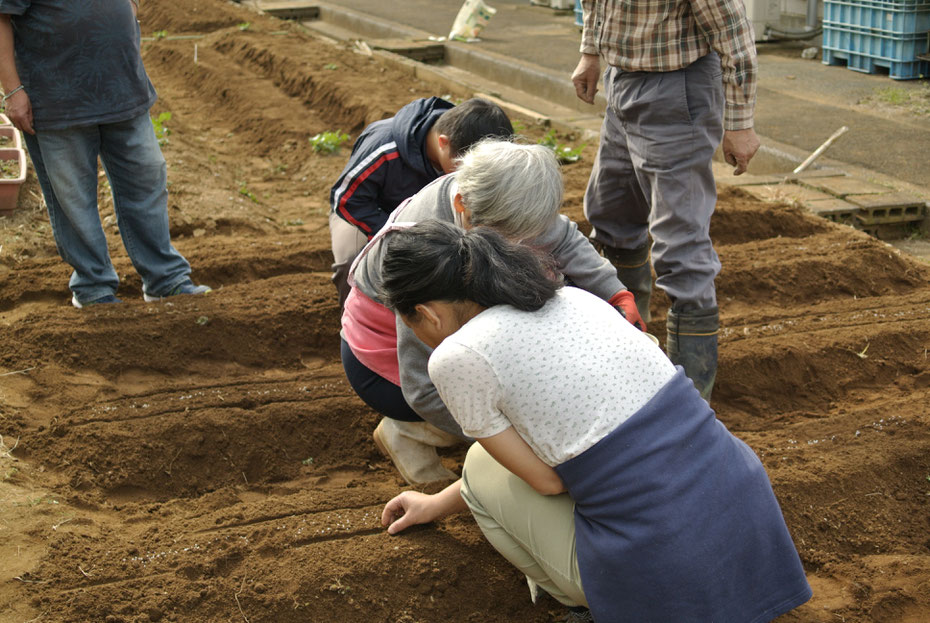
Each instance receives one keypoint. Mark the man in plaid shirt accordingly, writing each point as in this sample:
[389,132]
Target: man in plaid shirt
[681,77]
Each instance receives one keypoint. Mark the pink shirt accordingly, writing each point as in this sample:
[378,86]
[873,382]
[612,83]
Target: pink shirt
[370,330]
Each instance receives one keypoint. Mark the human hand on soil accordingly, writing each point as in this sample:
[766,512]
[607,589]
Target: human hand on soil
[408,509]
[585,77]
[739,146]
[19,110]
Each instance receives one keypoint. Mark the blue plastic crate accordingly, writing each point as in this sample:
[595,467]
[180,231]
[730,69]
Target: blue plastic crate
[579,14]
[899,48]
[867,64]
[889,17]
[866,34]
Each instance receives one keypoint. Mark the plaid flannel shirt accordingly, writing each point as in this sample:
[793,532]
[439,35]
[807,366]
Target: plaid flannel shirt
[666,35]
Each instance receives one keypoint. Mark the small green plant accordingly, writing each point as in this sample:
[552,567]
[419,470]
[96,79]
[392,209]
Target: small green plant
[243,26]
[328,142]
[202,320]
[896,96]
[160,34]
[914,99]
[245,192]
[565,153]
[331,66]
[518,127]
[9,169]
[8,474]
[308,461]
[162,132]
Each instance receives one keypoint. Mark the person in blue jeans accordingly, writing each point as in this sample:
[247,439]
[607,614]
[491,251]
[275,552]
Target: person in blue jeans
[76,87]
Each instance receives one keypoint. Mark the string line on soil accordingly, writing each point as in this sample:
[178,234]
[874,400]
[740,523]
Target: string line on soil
[244,405]
[258,520]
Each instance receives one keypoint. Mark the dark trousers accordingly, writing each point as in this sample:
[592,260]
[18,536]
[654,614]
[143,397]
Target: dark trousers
[378,393]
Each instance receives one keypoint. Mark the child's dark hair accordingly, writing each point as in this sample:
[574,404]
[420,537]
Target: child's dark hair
[437,261]
[471,121]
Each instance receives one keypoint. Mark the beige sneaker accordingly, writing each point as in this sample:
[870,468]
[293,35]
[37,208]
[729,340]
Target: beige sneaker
[412,448]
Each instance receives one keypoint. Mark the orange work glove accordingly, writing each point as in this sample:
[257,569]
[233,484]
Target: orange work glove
[626,305]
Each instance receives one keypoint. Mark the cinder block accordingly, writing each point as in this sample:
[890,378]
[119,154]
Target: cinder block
[844,186]
[887,200]
[836,210]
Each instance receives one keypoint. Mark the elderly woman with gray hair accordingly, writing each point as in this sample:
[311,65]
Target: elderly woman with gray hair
[514,189]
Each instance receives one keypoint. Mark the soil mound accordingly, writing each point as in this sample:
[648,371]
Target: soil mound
[203,459]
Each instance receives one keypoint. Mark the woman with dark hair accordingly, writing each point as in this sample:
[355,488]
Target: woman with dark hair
[513,188]
[599,471]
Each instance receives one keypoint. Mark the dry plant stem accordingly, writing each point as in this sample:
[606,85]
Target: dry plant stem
[236,596]
[8,452]
[18,371]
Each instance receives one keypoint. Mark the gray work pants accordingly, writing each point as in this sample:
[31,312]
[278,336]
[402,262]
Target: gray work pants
[347,241]
[653,174]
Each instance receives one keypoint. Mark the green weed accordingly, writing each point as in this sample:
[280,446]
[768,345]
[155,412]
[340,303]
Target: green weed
[328,142]
[914,99]
[565,153]
[160,34]
[243,26]
[162,132]
[331,66]
[245,192]
[896,96]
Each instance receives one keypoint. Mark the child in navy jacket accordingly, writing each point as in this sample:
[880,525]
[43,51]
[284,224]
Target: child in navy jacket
[393,159]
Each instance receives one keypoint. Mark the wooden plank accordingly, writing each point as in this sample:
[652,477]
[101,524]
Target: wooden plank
[291,10]
[423,51]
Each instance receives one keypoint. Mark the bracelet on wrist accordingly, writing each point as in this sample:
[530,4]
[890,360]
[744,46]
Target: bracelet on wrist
[11,93]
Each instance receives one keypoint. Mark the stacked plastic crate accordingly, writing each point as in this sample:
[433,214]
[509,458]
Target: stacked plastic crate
[868,34]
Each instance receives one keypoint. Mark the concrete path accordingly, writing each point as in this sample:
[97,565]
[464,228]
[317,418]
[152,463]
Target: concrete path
[800,102]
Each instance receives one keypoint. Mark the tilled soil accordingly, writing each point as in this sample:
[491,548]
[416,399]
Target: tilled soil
[204,459]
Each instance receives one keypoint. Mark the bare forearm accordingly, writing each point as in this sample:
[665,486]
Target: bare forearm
[511,451]
[449,501]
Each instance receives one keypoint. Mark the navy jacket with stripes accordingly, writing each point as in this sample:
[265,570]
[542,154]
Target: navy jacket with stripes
[388,164]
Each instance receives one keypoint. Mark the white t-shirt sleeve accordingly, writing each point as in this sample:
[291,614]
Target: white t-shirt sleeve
[469,387]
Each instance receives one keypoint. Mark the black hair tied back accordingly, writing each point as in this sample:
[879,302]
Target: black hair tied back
[434,260]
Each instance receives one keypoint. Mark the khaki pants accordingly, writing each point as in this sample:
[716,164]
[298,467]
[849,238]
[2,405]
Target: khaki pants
[536,533]
[347,241]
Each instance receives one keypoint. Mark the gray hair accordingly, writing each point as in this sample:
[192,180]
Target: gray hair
[513,188]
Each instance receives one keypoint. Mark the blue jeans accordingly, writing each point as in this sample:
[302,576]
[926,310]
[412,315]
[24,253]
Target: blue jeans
[66,165]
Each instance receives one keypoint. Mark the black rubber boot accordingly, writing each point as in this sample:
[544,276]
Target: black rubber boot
[692,344]
[635,271]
